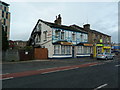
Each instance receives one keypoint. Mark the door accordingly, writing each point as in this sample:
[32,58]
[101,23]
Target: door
[73,54]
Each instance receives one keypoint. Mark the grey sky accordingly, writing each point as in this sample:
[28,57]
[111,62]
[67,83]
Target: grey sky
[102,16]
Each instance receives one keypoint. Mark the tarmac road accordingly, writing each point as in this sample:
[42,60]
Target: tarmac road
[100,75]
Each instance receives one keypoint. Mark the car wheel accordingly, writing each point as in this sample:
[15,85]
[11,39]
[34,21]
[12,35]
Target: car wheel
[106,58]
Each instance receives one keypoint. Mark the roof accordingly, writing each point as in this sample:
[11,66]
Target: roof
[94,31]
[4,3]
[53,25]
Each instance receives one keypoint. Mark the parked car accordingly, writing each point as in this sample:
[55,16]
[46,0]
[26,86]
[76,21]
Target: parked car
[105,56]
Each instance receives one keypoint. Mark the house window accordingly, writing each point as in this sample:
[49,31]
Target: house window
[4,8]
[62,49]
[62,36]
[3,14]
[56,49]
[6,15]
[4,21]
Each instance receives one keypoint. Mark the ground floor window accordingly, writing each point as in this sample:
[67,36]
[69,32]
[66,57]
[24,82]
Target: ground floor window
[79,49]
[68,49]
[57,49]
[62,49]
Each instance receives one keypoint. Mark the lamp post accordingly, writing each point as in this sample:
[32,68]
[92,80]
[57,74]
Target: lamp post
[94,48]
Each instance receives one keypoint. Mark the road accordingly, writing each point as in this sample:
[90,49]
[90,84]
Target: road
[100,75]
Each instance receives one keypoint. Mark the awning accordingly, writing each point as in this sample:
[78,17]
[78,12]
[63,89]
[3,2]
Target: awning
[63,43]
[85,44]
[106,47]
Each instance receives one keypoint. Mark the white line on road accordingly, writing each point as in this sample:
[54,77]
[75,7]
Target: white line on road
[101,86]
[117,65]
[7,78]
[58,70]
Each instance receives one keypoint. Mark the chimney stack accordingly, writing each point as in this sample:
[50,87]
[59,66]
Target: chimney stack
[86,26]
[58,20]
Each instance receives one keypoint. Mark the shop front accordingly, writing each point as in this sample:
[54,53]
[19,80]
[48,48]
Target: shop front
[99,48]
[107,48]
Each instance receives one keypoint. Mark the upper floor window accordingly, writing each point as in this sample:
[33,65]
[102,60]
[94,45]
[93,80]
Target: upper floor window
[1,7]
[62,35]
[3,14]
[6,15]
[45,35]
[73,37]
[4,8]
[57,33]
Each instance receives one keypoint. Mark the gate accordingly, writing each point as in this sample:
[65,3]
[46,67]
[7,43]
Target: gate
[40,53]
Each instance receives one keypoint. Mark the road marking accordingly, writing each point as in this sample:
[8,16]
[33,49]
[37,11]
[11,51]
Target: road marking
[7,78]
[101,86]
[58,70]
[94,65]
[117,65]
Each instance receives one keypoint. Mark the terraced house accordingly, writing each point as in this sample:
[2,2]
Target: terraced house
[61,41]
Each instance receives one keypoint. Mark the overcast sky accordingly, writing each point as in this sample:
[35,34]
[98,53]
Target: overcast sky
[102,16]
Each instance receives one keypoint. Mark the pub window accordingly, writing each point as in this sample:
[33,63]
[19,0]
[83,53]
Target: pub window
[73,36]
[62,35]
[62,49]
[79,50]
[56,49]
[57,34]
[68,49]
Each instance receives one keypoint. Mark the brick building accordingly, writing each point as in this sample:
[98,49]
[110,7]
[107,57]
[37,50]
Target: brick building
[101,40]
[5,17]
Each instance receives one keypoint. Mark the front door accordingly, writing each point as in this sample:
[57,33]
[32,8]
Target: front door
[73,55]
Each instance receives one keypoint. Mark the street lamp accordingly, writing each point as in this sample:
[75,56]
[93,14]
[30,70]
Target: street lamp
[94,48]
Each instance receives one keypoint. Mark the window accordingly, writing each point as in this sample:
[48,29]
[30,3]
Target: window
[39,26]
[62,49]
[57,34]
[1,7]
[79,50]
[68,48]
[3,14]
[56,49]
[6,15]
[5,28]
[73,37]
[81,36]
[4,22]
[62,35]
[45,35]
[4,8]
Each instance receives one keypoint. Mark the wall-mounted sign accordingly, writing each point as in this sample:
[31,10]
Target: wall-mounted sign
[101,40]
[99,45]
[88,44]
[66,43]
